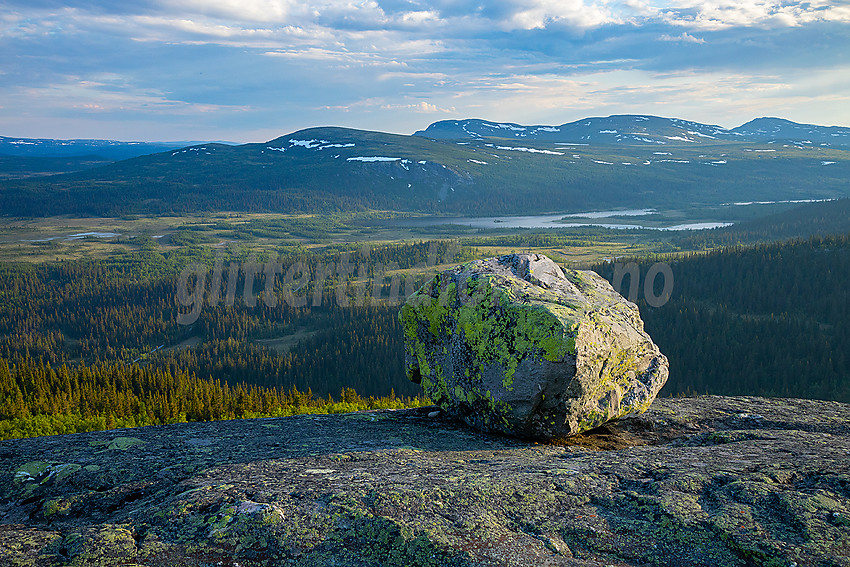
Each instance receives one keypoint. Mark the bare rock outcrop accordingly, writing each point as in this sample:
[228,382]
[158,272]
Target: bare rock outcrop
[701,481]
[517,345]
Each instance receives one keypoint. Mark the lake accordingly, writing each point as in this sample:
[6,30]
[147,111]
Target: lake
[551,220]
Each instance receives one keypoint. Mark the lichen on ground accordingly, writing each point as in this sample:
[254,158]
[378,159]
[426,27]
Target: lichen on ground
[694,481]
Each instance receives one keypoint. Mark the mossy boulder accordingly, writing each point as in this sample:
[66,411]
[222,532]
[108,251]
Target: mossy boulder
[517,345]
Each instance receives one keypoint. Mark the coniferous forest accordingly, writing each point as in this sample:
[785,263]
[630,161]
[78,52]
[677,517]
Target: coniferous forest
[37,399]
[769,320]
[95,344]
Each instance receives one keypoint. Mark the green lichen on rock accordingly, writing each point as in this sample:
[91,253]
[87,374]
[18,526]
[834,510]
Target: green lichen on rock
[29,472]
[31,475]
[63,471]
[515,345]
[61,506]
[123,443]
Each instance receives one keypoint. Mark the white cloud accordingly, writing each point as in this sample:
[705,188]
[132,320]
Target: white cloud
[108,94]
[722,14]
[421,17]
[540,14]
[359,61]
[381,104]
[420,107]
[684,37]
[726,97]
[202,28]
[267,11]
[410,75]
[641,8]
[275,23]
[320,54]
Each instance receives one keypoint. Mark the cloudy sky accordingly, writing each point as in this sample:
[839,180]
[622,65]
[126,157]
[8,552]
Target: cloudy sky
[250,70]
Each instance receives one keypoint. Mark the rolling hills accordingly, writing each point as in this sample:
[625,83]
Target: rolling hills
[21,158]
[461,167]
[102,149]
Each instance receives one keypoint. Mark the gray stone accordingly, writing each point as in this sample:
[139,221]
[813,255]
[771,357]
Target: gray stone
[517,345]
[690,482]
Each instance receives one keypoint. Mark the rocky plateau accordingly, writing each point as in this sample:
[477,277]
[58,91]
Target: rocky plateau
[693,481]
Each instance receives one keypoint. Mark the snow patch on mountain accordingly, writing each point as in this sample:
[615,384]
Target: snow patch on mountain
[309,144]
[192,150]
[348,145]
[700,134]
[529,150]
[647,140]
[371,159]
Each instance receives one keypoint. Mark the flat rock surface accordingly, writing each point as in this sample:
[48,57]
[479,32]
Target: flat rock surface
[694,481]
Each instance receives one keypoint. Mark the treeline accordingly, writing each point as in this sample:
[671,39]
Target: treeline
[574,236]
[771,320]
[37,399]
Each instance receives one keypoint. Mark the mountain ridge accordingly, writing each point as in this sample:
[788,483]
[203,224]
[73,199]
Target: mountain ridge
[641,129]
[117,149]
[83,147]
[341,169]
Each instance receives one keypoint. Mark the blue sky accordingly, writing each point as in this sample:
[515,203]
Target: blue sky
[250,70]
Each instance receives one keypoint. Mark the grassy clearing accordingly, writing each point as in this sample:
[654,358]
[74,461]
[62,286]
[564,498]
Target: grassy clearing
[51,239]
[285,343]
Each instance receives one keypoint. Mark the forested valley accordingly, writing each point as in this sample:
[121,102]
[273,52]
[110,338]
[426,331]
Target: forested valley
[769,320]
[96,344]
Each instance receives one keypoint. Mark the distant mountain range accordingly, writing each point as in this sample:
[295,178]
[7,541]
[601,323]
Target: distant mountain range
[104,149]
[642,130]
[462,167]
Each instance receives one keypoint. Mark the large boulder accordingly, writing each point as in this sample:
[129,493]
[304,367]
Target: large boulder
[517,345]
